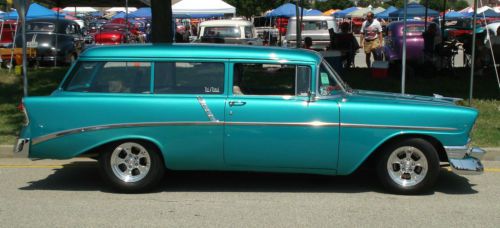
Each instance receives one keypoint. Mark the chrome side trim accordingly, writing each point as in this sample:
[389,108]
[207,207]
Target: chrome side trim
[215,122]
[398,127]
[127,125]
[288,124]
[207,110]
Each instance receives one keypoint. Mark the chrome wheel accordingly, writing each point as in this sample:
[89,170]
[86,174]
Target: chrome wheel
[130,162]
[407,166]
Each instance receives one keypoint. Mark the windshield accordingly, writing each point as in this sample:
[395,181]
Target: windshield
[222,32]
[40,27]
[329,83]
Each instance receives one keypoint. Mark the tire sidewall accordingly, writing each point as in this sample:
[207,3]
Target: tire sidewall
[152,179]
[430,154]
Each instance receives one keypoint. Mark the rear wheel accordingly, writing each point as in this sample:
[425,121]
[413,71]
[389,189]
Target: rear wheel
[410,166]
[132,166]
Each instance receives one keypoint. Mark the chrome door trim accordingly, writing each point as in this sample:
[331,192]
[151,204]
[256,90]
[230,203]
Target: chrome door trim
[402,127]
[288,124]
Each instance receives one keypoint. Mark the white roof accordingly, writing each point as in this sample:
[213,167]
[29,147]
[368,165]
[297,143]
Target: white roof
[79,9]
[121,9]
[202,7]
[314,18]
[226,23]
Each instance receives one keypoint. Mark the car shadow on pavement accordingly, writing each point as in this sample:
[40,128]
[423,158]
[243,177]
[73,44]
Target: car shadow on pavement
[84,176]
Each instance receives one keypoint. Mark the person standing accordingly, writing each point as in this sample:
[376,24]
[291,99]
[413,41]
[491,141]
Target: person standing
[371,37]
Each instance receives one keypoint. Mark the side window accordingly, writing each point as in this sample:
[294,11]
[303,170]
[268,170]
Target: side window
[271,79]
[248,32]
[111,77]
[70,29]
[189,78]
[327,85]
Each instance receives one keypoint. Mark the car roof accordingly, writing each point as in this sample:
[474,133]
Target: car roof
[202,51]
[235,22]
[306,18]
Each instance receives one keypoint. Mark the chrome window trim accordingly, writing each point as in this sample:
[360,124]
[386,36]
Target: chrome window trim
[221,123]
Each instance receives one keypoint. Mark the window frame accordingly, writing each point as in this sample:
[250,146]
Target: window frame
[183,60]
[71,72]
[296,63]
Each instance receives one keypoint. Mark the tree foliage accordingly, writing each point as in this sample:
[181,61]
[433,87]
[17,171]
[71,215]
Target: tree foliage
[333,4]
[248,8]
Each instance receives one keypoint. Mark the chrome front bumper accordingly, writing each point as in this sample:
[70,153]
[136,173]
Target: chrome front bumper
[465,160]
[22,147]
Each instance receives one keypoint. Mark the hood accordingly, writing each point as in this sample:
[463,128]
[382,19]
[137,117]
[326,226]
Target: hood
[406,98]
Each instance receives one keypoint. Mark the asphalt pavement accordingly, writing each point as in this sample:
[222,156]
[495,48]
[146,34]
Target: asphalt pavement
[50,193]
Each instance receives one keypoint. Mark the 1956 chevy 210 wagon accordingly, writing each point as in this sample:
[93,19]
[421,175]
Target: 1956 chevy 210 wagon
[143,109]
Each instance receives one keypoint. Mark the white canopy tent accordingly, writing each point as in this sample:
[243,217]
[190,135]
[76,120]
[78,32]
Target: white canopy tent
[121,9]
[80,9]
[203,7]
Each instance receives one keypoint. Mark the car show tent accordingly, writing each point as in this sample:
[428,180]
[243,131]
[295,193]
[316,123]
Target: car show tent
[454,15]
[485,13]
[79,9]
[206,7]
[35,11]
[343,13]
[289,10]
[385,14]
[144,12]
[414,10]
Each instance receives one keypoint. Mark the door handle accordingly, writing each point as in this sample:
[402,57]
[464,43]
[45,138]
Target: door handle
[237,103]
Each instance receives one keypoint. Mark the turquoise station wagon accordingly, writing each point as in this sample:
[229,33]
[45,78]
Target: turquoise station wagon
[141,110]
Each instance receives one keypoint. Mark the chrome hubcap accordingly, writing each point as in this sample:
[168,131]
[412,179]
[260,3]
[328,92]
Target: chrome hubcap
[407,166]
[130,162]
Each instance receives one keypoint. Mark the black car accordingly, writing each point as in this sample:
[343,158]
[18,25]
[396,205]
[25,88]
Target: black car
[55,40]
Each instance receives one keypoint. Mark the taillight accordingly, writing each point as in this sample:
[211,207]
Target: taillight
[23,109]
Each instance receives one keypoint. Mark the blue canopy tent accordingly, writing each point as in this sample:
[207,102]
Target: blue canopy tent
[35,11]
[385,14]
[343,13]
[288,10]
[96,14]
[414,10]
[119,15]
[144,12]
[454,15]
[487,13]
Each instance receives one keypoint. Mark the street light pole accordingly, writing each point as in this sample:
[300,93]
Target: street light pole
[473,60]
[403,59]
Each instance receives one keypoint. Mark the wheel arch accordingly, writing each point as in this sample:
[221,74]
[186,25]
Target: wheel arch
[94,151]
[371,159]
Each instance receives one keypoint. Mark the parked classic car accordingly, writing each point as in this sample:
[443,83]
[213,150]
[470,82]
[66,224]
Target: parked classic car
[142,109]
[315,27]
[8,30]
[229,32]
[112,34]
[55,40]
[414,40]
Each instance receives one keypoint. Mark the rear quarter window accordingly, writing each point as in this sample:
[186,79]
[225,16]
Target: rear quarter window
[110,77]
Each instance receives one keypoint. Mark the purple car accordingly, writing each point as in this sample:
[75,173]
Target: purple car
[414,40]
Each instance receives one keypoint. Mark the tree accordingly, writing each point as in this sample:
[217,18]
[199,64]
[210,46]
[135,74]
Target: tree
[333,4]
[249,8]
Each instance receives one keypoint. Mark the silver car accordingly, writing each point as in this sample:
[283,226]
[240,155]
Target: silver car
[315,27]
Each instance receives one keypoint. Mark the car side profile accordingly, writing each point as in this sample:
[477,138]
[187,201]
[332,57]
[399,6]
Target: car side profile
[143,109]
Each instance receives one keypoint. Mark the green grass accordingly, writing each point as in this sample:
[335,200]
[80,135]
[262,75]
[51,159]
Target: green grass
[486,94]
[41,82]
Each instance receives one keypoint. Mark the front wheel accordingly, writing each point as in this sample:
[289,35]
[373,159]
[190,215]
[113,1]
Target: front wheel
[409,166]
[132,166]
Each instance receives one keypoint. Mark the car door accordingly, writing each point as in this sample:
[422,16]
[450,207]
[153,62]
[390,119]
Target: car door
[271,121]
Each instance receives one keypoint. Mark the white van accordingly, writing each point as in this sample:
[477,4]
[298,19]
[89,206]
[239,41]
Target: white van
[228,31]
[315,27]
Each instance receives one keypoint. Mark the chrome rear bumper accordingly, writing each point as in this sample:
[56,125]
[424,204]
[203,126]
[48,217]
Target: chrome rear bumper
[466,160]
[22,147]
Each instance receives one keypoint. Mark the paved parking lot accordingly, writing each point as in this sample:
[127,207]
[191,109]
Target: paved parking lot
[71,193]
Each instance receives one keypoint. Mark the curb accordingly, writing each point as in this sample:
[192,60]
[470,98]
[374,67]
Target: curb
[492,153]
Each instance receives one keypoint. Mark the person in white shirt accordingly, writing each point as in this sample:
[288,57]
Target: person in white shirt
[371,37]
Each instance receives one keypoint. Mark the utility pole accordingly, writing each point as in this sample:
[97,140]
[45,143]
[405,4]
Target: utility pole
[162,30]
